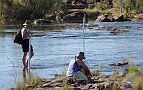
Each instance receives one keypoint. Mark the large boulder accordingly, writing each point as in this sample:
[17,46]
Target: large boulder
[119,18]
[110,18]
[75,17]
[104,18]
[139,16]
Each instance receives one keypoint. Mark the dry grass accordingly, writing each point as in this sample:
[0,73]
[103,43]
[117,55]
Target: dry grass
[66,86]
[28,83]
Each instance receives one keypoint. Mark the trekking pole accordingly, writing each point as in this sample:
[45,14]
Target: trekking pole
[29,53]
[83,30]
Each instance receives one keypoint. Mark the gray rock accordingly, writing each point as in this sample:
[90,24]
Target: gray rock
[87,87]
[39,89]
[126,86]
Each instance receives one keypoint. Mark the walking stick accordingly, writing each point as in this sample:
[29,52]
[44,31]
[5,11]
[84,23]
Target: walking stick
[29,53]
[83,31]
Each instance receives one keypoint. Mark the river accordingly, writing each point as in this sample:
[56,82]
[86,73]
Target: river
[55,46]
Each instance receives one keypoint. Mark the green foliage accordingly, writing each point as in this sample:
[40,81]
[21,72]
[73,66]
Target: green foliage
[131,69]
[17,12]
[65,86]
[94,10]
[96,72]
[19,86]
[129,6]
[125,4]
[139,6]
[29,9]
[34,80]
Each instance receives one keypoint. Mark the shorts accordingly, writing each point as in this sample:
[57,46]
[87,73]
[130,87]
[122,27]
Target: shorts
[80,76]
[25,45]
[77,77]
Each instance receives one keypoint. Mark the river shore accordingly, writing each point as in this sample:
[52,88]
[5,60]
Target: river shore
[127,80]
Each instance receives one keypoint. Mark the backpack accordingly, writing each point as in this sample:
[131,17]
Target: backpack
[18,38]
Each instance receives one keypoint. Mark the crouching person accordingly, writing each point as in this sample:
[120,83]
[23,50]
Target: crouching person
[78,71]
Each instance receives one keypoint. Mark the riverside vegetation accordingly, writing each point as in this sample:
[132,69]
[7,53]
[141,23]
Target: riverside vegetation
[130,79]
[21,10]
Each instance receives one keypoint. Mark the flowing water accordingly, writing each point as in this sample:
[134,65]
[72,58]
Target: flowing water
[55,46]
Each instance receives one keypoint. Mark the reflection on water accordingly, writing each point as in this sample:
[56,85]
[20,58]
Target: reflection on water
[54,47]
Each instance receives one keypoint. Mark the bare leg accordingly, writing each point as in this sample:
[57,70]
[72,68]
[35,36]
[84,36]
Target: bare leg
[24,59]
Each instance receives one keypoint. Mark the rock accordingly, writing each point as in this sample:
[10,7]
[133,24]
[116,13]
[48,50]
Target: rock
[58,80]
[75,17]
[119,18]
[120,63]
[47,81]
[87,87]
[139,16]
[126,86]
[103,18]
[39,89]
[55,88]
[100,87]
[94,86]
[75,88]
[55,82]
[110,18]
[41,21]
[47,85]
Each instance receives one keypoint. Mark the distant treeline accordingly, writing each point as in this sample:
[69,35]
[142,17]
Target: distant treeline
[126,7]
[19,10]
[130,6]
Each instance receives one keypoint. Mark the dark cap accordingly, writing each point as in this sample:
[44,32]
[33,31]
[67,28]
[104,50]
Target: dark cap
[80,55]
[27,22]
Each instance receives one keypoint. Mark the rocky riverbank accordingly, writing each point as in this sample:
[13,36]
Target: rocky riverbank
[130,79]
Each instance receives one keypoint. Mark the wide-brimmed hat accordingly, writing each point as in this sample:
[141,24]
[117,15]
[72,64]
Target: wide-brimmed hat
[80,55]
[27,22]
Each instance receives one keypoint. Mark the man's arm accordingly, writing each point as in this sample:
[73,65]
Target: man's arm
[85,67]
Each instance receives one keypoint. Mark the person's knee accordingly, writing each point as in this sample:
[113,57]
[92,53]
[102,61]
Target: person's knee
[24,54]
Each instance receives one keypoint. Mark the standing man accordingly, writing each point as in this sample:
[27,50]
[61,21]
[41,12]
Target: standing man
[26,35]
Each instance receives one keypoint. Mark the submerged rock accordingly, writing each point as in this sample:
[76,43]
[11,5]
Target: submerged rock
[120,63]
[41,21]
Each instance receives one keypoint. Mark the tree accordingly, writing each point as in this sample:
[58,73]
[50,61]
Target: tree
[28,9]
[139,6]
[1,9]
[127,5]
